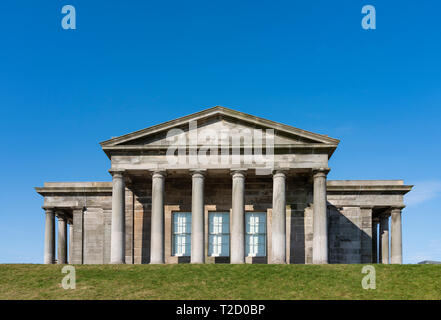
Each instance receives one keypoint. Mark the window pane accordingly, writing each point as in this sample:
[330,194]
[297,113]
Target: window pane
[226,224]
[187,247]
[219,234]
[255,240]
[181,233]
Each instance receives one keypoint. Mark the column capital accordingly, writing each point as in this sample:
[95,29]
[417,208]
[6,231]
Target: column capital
[198,172]
[159,173]
[279,173]
[396,208]
[48,209]
[60,215]
[320,172]
[117,173]
[238,172]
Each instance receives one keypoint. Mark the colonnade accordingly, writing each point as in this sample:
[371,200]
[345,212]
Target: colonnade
[381,239]
[62,242]
[278,223]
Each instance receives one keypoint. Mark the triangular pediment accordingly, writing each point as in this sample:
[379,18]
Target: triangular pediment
[222,121]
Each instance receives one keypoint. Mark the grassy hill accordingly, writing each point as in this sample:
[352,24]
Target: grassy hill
[220,282]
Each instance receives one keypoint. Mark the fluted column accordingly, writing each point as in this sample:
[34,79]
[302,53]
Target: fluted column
[320,221]
[278,222]
[396,237]
[157,220]
[197,217]
[49,237]
[384,239]
[70,243]
[118,234]
[62,238]
[237,254]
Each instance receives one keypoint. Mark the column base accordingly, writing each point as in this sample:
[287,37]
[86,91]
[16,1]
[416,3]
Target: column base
[320,262]
[278,262]
[197,261]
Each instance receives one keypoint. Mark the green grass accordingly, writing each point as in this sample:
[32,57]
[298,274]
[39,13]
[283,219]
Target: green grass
[220,282]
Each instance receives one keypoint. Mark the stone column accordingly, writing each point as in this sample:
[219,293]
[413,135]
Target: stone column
[62,238]
[49,237]
[278,222]
[237,254]
[320,221]
[374,241]
[197,217]
[384,239]
[118,234]
[157,220]
[395,237]
[70,242]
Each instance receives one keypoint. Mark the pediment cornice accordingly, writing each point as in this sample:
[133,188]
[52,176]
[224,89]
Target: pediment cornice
[315,138]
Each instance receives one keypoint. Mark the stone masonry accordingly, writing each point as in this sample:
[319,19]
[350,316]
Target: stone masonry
[309,219]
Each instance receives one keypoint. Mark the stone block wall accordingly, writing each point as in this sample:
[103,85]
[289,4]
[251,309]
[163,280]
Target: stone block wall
[349,235]
[93,245]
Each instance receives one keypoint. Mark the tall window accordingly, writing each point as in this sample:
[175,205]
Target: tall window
[181,234]
[255,234]
[219,234]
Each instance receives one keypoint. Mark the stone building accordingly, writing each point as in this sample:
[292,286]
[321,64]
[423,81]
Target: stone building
[168,204]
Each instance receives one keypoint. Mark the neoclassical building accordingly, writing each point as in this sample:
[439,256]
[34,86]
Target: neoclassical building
[185,191]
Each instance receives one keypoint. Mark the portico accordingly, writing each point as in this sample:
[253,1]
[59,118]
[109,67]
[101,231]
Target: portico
[196,180]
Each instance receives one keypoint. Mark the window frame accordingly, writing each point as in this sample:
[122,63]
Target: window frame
[222,234]
[186,234]
[248,235]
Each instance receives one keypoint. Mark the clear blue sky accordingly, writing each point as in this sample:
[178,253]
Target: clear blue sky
[133,64]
